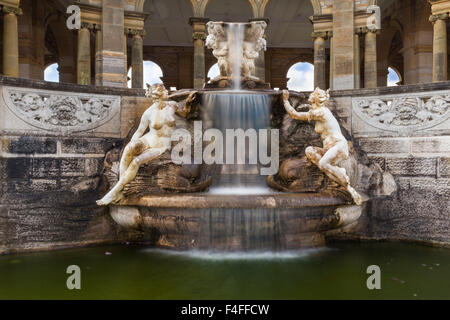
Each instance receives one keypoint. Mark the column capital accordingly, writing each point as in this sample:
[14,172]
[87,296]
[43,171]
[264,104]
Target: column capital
[440,16]
[88,25]
[135,32]
[199,36]
[365,30]
[319,34]
[14,10]
[199,26]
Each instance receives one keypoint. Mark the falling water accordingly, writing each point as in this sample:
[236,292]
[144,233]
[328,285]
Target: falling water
[231,110]
[242,229]
[235,45]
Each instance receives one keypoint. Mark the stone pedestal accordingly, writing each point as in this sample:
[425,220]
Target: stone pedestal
[199,37]
[10,42]
[137,62]
[440,47]
[319,60]
[84,55]
[370,59]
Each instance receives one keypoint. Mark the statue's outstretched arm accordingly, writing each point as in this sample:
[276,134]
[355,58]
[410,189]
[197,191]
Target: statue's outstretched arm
[303,116]
[184,112]
[143,125]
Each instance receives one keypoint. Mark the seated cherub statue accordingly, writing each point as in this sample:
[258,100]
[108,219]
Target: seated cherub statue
[335,146]
[144,147]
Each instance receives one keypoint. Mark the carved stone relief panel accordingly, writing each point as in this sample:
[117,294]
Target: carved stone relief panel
[407,113]
[61,111]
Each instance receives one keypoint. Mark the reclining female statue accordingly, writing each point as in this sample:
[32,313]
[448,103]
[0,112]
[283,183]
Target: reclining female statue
[335,147]
[143,147]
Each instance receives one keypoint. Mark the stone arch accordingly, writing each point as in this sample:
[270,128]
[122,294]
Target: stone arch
[199,7]
[140,5]
[64,42]
[398,72]
[258,7]
[316,6]
[302,73]
[46,69]
[150,68]
[211,69]
[282,61]
[241,9]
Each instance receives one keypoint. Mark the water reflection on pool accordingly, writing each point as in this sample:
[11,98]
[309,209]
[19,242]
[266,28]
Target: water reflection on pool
[128,272]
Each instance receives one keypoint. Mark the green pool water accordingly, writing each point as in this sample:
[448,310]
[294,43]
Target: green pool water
[338,272]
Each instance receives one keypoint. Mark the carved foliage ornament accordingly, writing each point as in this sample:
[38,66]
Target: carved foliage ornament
[56,111]
[404,112]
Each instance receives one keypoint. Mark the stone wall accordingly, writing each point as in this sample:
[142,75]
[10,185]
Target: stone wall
[51,162]
[407,131]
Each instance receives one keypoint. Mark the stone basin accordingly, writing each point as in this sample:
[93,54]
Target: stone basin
[276,221]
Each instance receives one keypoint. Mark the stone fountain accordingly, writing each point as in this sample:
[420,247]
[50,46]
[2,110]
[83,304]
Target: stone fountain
[304,179]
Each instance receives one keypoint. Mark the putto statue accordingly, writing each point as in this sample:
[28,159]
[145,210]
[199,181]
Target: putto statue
[335,146]
[144,147]
[251,42]
[254,43]
[217,41]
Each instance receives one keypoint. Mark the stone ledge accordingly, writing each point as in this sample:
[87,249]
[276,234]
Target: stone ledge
[201,201]
[423,87]
[44,85]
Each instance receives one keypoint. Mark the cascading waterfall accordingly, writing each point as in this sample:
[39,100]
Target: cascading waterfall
[250,229]
[231,110]
[235,45]
[246,229]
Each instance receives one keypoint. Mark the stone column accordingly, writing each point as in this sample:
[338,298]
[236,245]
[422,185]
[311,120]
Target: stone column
[113,26]
[357,61]
[10,41]
[343,45]
[331,60]
[199,37]
[98,56]
[137,60]
[84,54]
[125,57]
[370,59]
[320,60]
[440,72]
